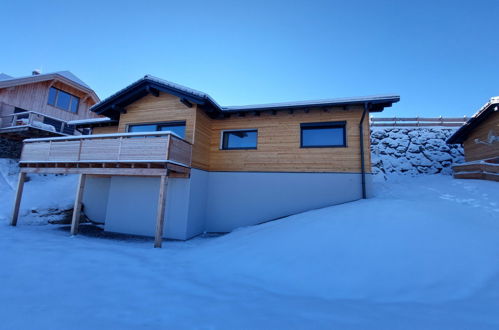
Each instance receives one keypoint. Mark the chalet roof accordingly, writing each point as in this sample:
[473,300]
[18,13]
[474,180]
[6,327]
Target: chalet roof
[114,104]
[463,132]
[64,76]
[4,76]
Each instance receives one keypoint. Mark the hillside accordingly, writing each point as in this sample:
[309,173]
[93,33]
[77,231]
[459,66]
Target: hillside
[421,254]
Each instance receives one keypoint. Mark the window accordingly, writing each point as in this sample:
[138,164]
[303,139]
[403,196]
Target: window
[323,135]
[177,127]
[239,139]
[63,100]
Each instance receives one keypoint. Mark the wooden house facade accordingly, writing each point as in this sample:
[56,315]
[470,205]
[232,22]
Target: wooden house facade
[171,156]
[480,139]
[43,104]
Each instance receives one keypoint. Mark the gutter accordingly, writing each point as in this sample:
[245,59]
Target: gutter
[361,139]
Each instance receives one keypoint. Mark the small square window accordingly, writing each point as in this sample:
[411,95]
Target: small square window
[239,139]
[323,135]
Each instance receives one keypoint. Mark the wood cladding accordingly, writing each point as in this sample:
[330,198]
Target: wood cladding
[476,151]
[105,130]
[33,97]
[164,108]
[278,148]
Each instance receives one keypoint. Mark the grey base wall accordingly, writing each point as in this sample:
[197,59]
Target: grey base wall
[213,201]
[238,199]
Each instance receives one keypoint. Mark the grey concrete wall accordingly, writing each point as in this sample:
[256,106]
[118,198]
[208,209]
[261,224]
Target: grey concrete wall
[95,198]
[213,201]
[236,199]
[132,206]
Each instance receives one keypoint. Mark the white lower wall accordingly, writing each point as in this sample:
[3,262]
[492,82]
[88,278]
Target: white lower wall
[213,201]
[95,198]
[238,199]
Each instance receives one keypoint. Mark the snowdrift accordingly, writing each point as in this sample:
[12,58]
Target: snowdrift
[414,242]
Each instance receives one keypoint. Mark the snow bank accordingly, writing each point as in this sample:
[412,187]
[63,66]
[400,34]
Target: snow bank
[421,254]
[40,191]
[418,150]
[424,243]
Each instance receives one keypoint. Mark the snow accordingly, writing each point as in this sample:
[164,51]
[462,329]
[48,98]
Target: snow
[422,254]
[90,121]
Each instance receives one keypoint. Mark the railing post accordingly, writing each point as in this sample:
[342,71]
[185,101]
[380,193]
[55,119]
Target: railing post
[119,148]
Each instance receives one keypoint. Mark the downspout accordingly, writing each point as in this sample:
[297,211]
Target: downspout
[362,161]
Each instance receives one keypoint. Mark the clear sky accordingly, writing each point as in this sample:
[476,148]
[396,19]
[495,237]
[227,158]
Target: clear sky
[441,57]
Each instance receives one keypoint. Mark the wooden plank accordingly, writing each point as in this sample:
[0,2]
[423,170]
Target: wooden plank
[100,171]
[160,216]
[17,201]
[75,221]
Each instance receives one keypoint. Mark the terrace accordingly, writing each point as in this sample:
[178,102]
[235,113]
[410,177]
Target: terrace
[156,154]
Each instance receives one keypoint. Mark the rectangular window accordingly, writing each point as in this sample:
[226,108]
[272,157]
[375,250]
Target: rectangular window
[239,139]
[63,100]
[177,127]
[323,135]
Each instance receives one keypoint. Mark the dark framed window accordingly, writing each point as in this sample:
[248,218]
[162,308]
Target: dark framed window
[177,127]
[323,135]
[239,139]
[63,100]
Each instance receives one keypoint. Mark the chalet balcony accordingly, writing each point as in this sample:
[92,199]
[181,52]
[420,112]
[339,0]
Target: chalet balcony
[26,122]
[143,154]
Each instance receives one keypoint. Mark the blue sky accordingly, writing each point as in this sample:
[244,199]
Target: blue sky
[441,57]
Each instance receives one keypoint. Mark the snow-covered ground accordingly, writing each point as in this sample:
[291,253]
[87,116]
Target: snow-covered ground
[422,254]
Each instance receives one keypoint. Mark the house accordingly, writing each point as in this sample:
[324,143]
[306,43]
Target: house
[171,156]
[480,139]
[42,104]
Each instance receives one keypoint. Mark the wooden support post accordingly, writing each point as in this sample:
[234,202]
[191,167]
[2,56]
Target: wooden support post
[19,195]
[75,222]
[160,217]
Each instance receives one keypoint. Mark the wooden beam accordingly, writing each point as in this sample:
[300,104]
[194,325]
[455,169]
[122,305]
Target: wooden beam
[160,216]
[19,195]
[153,91]
[186,102]
[75,222]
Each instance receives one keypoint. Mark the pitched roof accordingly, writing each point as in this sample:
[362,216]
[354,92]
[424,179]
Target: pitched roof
[462,133]
[65,76]
[116,102]
[4,76]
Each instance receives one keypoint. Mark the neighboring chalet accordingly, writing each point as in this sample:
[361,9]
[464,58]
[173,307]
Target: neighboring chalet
[170,154]
[42,104]
[480,139]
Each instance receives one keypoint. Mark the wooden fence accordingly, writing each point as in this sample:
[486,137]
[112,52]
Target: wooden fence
[418,122]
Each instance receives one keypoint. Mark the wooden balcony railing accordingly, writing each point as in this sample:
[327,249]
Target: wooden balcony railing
[418,122]
[149,150]
[36,120]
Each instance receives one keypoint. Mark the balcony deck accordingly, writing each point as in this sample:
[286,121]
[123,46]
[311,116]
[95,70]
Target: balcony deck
[143,154]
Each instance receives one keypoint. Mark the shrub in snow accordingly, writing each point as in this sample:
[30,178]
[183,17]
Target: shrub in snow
[418,150]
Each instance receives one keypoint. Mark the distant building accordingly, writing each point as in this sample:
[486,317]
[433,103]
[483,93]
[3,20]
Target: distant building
[41,104]
[480,139]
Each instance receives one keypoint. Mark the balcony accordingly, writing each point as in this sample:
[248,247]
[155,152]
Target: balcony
[26,122]
[142,154]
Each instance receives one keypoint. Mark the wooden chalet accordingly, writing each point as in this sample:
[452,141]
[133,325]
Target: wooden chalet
[42,104]
[170,162]
[480,139]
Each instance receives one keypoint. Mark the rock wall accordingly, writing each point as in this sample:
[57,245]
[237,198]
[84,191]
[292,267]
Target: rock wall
[10,148]
[413,151]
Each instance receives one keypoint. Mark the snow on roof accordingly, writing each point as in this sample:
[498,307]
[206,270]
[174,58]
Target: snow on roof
[90,121]
[4,76]
[343,100]
[389,98]
[462,133]
[65,74]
